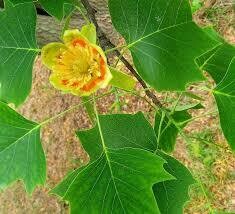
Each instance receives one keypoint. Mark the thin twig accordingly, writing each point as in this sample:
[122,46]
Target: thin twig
[106,43]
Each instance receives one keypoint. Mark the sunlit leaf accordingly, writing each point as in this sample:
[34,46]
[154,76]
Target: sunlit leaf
[196,5]
[163,39]
[122,133]
[120,175]
[122,80]
[21,153]
[89,31]
[18,50]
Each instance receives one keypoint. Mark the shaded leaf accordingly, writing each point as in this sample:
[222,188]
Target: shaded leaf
[216,61]
[21,153]
[166,131]
[120,176]
[163,39]
[171,195]
[18,50]
[219,63]
[56,8]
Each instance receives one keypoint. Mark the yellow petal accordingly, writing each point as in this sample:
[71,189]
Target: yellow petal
[61,84]
[50,52]
[71,35]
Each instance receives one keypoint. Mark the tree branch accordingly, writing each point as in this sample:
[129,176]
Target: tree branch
[106,43]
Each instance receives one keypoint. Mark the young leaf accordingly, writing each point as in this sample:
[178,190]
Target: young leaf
[89,31]
[166,131]
[171,195]
[225,98]
[89,108]
[163,39]
[122,80]
[120,175]
[196,5]
[18,50]
[21,153]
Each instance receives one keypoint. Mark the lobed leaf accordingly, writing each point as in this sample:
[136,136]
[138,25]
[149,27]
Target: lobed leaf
[122,169]
[21,153]
[163,39]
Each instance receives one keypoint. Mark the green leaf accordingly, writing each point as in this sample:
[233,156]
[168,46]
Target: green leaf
[89,31]
[89,108]
[18,50]
[166,131]
[163,39]
[196,5]
[118,134]
[122,80]
[21,153]
[216,61]
[171,195]
[193,96]
[120,175]
[56,8]
[120,130]
[225,98]
[219,63]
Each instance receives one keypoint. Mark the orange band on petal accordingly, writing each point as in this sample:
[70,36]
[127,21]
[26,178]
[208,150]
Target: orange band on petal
[80,42]
[102,68]
[75,84]
[90,86]
[65,82]
[95,52]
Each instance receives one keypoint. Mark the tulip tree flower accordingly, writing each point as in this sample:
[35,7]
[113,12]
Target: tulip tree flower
[78,65]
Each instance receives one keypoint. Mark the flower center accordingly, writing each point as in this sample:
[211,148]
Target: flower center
[80,63]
